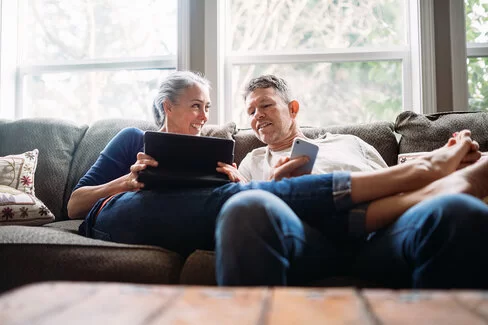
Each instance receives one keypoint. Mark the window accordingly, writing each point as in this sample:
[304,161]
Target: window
[345,61]
[477,52]
[91,59]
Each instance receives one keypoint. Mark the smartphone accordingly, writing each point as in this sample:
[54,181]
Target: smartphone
[302,147]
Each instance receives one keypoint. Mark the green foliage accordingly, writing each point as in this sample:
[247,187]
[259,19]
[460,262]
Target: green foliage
[476,32]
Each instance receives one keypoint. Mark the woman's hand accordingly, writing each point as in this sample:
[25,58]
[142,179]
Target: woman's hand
[142,162]
[231,172]
[286,168]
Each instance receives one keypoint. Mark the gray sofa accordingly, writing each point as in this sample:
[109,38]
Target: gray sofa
[55,251]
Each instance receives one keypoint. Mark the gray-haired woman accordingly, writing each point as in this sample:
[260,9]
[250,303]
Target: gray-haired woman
[181,106]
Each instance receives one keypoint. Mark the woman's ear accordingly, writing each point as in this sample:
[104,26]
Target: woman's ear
[167,106]
[294,107]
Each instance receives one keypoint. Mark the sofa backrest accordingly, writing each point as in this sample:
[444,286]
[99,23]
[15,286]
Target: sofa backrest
[67,150]
[378,134]
[95,139]
[421,132]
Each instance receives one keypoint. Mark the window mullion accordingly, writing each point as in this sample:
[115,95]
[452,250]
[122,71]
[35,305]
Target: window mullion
[346,55]
[214,57]
[159,62]
[475,50]
[458,55]
[426,66]
[183,35]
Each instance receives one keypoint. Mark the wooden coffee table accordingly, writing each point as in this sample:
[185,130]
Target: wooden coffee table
[118,303]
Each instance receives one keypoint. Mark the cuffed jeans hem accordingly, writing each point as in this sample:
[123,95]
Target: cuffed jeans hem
[341,192]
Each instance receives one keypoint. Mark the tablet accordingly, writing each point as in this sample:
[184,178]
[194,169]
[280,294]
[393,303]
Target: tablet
[185,160]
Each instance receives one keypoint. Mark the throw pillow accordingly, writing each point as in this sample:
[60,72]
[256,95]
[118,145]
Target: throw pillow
[225,131]
[20,208]
[18,204]
[17,171]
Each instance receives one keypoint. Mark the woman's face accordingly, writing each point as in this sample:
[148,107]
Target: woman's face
[190,112]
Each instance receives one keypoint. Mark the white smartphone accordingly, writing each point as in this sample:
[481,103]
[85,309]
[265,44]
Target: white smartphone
[302,147]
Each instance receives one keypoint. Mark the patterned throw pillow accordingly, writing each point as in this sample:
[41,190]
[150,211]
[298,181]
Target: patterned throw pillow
[20,208]
[18,204]
[17,171]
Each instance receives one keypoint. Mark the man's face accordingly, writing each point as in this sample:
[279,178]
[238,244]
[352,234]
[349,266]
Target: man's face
[271,118]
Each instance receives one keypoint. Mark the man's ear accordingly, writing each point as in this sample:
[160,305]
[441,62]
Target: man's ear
[294,107]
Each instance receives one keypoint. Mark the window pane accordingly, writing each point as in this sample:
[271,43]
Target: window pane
[476,21]
[478,83]
[84,97]
[267,25]
[331,93]
[89,29]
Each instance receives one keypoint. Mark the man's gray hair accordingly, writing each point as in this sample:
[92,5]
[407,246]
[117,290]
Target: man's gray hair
[269,81]
[172,87]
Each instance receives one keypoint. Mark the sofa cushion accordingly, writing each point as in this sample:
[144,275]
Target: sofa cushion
[378,134]
[421,132]
[56,141]
[31,254]
[199,269]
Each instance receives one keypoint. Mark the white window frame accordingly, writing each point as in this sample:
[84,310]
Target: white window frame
[417,57]
[457,21]
[460,51]
[12,74]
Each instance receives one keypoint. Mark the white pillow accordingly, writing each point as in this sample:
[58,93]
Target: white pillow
[17,171]
[18,204]
[20,208]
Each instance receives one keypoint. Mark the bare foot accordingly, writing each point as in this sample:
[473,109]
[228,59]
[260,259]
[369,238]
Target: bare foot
[445,160]
[471,180]
[412,175]
[473,155]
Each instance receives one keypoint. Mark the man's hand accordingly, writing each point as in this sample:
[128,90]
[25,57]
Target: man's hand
[286,168]
[142,162]
[231,172]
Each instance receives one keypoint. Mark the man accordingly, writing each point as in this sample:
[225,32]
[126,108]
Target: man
[273,117]
[260,240]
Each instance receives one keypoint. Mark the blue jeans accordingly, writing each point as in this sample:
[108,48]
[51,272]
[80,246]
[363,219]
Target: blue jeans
[184,220]
[438,243]
[261,241]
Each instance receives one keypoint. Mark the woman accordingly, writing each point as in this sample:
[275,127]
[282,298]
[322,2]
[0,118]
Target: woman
[181,106]
[183,103]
